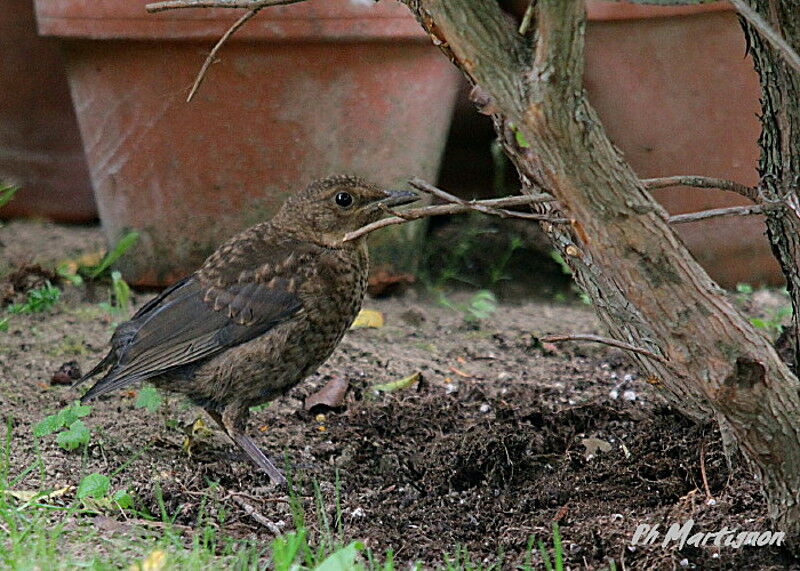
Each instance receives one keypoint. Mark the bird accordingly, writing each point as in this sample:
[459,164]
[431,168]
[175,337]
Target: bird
[261,314]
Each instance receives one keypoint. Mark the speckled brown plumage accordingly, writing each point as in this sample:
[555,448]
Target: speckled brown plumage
[262,313]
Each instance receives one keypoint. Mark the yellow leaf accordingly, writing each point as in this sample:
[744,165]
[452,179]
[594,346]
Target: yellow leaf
[403,383]
[155,561]
[29,495]
[199,428]
[71,265]
[368,318]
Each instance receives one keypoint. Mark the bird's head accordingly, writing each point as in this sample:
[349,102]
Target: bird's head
[331,207]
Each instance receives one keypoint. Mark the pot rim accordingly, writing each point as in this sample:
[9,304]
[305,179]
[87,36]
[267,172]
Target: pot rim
[609,10]
[320,20]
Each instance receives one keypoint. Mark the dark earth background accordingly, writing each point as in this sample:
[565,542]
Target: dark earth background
[501,437]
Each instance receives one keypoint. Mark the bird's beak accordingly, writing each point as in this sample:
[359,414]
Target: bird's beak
[398,197]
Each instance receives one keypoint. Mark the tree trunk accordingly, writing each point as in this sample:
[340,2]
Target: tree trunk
[646,287]
[779,165]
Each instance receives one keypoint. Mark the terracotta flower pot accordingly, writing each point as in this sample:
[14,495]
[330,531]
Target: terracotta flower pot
[40,145]
[678,96]
[676,93]
[300,92]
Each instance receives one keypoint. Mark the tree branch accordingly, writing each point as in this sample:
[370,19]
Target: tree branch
[605,341]
[154,7]
[210,59]
[717,213]
[701,182]
[455,205]
[768,32]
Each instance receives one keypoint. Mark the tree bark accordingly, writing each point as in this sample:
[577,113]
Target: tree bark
[779,165]
[646,287]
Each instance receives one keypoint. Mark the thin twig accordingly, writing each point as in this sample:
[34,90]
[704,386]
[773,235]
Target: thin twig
[709,497]
[210,59]
[701,182]
[256,515]
[717,213]
[605,341]
[442,209]
[476,205]
[527,18]
[455,205]
[768,32]
[245,4]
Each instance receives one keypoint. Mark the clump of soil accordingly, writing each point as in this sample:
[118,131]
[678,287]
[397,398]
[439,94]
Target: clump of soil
[499,439]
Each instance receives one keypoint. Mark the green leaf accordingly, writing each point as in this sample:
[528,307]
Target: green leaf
[123,499]
[64,417]
[343,559]
[403,383]
[48,425]
[760,323]
[148,397]
[7,192]
[93,486]
[76,435]
[744,288]
[122,246]
[39,299]
[122,292]
[482,305]
[73,412]
[3,323]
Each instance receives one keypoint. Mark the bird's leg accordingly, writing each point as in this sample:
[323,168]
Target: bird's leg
[232,425]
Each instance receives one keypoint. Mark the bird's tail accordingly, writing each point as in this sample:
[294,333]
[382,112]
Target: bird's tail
[106,362]
[109,383]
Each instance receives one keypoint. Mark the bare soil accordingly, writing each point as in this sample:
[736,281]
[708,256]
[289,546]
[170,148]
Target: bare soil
[501,438]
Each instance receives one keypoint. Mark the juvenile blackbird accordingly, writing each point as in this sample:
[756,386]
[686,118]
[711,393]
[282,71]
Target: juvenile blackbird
[262,313]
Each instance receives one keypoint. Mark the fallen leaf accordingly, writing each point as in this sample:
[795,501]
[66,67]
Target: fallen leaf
[328,397]
[595,445]
[194,432]
[383,283]
[66,374]
[399,384]
[368,318]
[29,495]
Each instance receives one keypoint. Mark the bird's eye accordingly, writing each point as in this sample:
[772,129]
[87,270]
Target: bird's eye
[344,199]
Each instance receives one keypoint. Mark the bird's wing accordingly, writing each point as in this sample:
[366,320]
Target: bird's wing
[199,317]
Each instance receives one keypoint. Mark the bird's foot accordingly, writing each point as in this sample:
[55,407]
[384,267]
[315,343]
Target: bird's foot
[256,455]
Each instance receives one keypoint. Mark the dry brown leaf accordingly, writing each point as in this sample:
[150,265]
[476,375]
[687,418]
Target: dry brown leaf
[329,396]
